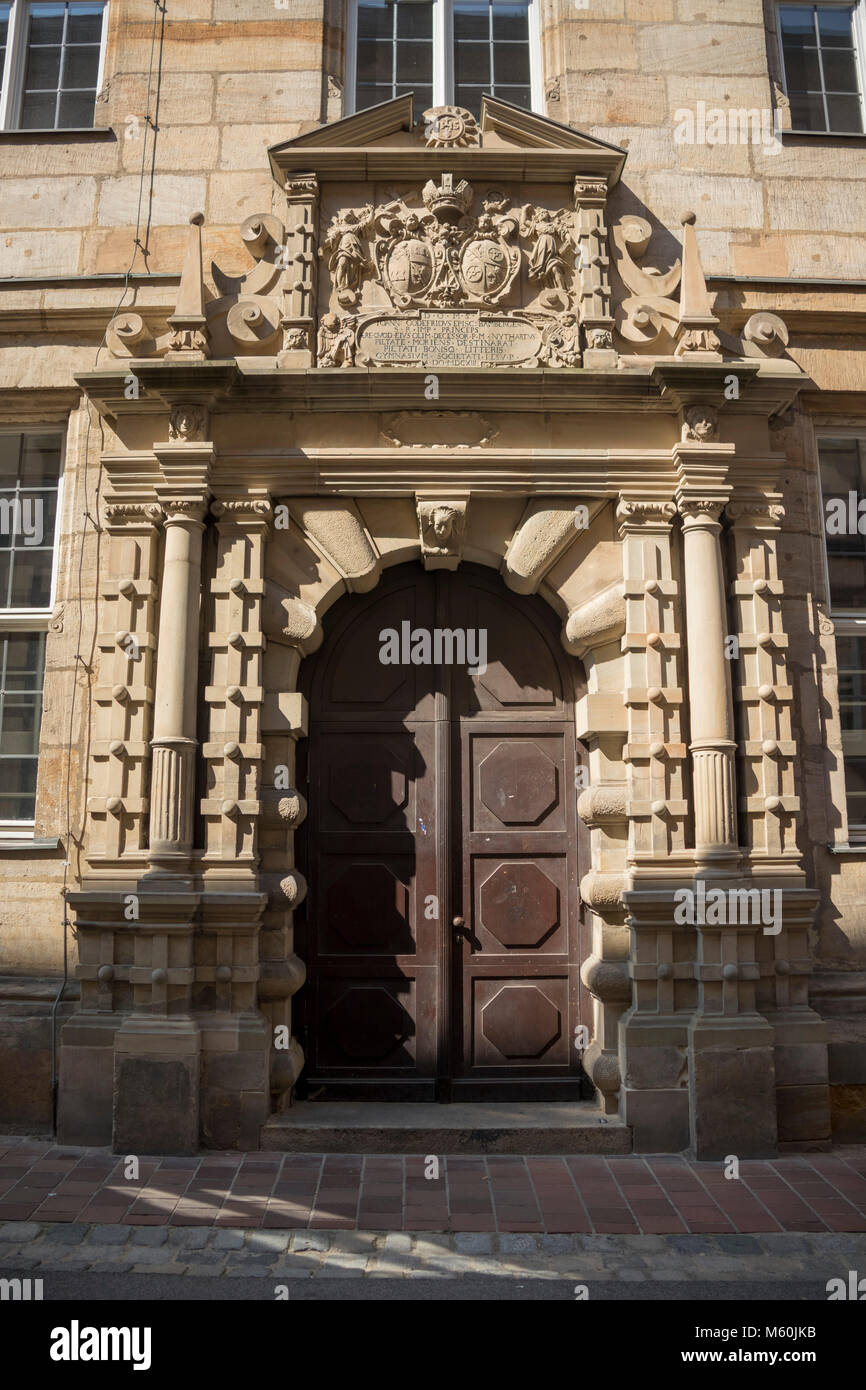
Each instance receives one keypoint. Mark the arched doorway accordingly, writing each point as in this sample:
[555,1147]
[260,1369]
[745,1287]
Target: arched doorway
[441,929]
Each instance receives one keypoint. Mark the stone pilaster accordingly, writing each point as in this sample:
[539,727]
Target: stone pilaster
[764,693]
[653,1031]
[300,281]
[590,201]
[769,805]
[234,695]
[124,694]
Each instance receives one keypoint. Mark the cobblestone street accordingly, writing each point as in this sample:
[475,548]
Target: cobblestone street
[801,1261]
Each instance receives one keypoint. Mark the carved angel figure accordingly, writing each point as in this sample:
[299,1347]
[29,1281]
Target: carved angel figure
[545,262]
[347,261]
[336,342]
[561,342]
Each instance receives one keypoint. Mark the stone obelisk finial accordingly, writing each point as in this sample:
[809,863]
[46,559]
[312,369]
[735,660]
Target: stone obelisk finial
[696,336]
[189,333]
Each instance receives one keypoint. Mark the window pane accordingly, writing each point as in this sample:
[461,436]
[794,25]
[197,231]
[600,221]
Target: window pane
[414,60]
[76,110]
[80,66]
[802,70]
[46,23]
[40,458]
[840,71]
[5,572]
[807,112]
[845,114]
[43,69]
[423,94]
[10,450]
[31,578]
[834,26]
[471,19]
[375,20]
[375,61]
[415,19]
[472,64]
[518,96]
[371,96]
[510,64]
[469,98]
[38,110]
[510,21]
[84,24]
[798,23]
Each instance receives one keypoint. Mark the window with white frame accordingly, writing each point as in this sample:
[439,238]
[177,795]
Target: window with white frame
[448,52]
[822,48]
[50,63]
[30,464]
[843,489]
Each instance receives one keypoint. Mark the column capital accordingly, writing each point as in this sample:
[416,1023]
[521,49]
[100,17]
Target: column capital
[756,513]
[644,514]
[700,511]
[589,191]
[243,511]
[132,516]
[181,511]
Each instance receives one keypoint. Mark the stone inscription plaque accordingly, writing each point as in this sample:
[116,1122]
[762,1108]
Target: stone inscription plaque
[447,339]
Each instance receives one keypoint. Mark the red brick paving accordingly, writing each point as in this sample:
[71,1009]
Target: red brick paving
[617,1195]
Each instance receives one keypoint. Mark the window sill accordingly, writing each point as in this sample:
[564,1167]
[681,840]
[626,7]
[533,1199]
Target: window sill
[785,135]
[23,845]
[857,848]
[86,134]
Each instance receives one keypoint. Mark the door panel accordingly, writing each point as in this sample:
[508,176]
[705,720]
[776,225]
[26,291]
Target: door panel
[436,793]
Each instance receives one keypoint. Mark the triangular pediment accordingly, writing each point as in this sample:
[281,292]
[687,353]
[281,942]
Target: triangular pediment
[393,138]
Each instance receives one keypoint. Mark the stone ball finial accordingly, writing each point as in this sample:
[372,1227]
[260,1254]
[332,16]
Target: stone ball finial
[688,219]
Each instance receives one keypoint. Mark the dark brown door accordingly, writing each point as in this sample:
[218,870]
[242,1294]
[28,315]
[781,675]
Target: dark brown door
[441,928]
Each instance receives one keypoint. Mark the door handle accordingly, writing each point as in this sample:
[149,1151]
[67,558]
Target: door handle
[458,922]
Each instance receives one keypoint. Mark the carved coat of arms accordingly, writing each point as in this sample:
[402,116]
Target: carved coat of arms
[444,256]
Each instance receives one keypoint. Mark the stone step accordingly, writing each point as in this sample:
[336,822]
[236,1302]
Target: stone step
[540,1127]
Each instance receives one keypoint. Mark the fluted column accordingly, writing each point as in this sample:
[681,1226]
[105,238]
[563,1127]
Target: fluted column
[174,743]
[713,744]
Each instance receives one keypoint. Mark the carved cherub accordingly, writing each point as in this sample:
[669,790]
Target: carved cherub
[561,342]
[336,342]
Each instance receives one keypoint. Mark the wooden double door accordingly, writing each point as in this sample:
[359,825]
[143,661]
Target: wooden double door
[441,929]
